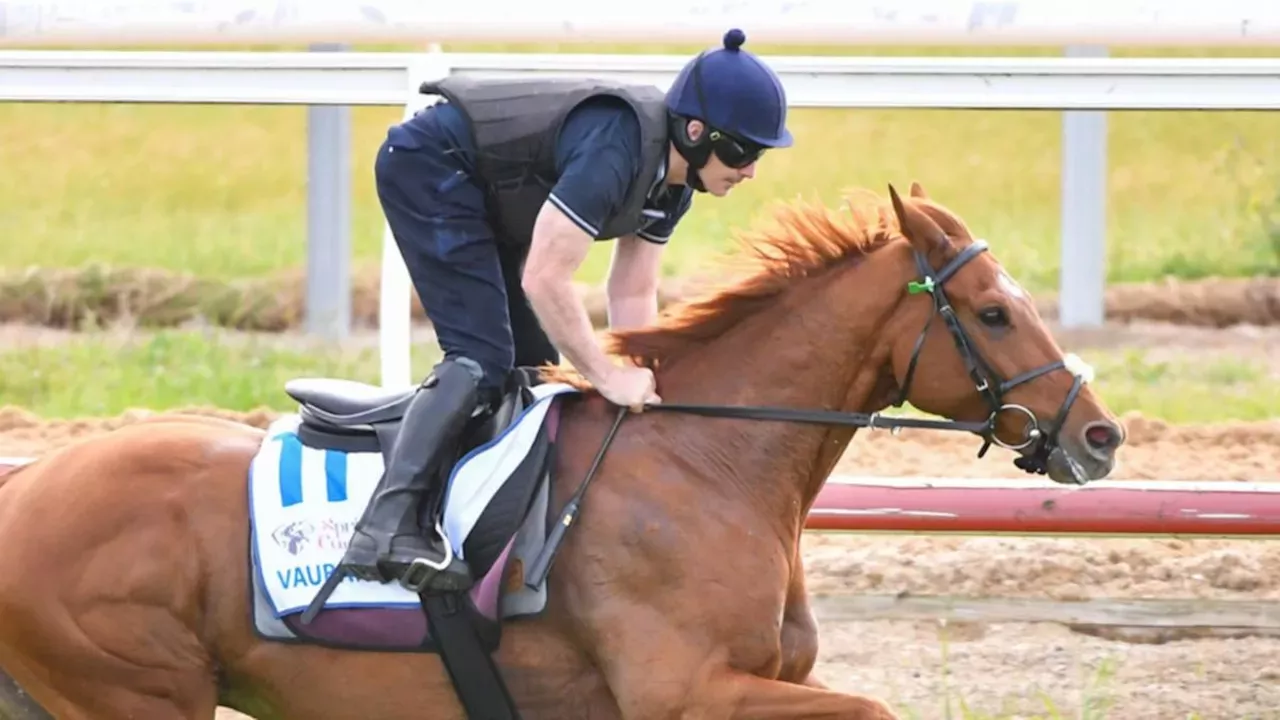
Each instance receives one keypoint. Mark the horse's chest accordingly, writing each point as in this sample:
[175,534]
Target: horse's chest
[745,598]
[697,563]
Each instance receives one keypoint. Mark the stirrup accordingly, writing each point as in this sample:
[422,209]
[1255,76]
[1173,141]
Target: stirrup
[421,571]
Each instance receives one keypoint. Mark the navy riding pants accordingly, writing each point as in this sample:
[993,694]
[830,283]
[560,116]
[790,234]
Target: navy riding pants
[468,283]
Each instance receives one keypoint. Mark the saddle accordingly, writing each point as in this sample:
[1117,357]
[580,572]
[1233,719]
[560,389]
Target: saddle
[351,416]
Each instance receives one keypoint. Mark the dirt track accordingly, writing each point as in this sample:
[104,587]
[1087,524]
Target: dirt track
[1008,670]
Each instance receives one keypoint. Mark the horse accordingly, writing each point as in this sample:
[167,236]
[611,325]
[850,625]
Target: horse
[680,589]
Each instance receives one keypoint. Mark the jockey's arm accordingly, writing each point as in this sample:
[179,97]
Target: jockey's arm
[558,248]
[632,288]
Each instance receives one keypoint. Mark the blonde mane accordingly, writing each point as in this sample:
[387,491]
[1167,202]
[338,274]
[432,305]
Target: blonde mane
[805,239]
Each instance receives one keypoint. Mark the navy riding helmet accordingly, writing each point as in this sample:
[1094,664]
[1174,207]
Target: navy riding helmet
[738,97]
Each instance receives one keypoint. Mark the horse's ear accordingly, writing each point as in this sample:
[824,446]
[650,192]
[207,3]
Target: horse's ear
[918,228]
[898,209]
[917,191]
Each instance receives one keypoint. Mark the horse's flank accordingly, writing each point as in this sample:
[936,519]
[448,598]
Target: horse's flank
[804,240]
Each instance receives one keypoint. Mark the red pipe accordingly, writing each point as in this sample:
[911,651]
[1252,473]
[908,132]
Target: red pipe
[941,505]
[1114,507]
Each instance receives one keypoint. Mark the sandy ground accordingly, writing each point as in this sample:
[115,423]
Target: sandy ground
[1011,668]
[1022,670]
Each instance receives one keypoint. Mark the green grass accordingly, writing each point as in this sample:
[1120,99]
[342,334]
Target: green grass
[177,368]
[174,369]
[1183,391]
[222,190]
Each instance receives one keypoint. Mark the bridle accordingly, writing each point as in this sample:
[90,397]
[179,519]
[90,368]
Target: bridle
[1036,445]
[1037,442]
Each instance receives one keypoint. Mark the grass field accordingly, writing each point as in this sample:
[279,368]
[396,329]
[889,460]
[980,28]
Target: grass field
[221,191]
[178,368]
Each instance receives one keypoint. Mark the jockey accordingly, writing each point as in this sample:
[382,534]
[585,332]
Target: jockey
[494,196]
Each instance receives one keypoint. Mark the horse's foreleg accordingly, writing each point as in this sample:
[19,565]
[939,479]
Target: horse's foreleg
[763,699]
[799,641]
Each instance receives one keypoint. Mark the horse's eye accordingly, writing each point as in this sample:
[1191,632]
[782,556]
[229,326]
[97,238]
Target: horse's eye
[994,317]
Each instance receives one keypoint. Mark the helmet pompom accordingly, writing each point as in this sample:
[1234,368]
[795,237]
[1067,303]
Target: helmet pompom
[734,39]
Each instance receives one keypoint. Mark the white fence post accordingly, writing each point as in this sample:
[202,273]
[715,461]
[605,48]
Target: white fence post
[328,308]
[1082,284]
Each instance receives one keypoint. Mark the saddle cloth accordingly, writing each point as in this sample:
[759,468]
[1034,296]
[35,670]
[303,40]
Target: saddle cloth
[304,503]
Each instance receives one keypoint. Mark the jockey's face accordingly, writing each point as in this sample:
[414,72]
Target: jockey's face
[718,177]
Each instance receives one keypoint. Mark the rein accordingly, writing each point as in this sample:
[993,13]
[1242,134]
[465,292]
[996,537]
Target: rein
[874,421]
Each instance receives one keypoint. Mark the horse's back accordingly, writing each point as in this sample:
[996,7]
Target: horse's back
[112,495]
[123,469]
[106,497]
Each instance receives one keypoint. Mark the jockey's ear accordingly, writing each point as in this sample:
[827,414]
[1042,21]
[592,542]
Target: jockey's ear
[694,128]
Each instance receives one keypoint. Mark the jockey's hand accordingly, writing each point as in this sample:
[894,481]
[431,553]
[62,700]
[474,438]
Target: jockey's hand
[630,386]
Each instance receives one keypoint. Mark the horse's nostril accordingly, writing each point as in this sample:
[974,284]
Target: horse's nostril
[1102,436]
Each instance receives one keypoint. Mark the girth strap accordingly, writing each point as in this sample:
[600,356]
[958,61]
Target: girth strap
[475,676]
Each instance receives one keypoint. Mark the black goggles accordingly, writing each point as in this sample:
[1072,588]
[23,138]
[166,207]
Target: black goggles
[733,152]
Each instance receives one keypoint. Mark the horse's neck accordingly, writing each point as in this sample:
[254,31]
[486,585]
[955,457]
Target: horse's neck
[813,349]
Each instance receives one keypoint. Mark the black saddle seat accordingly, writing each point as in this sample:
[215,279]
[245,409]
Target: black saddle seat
[352,416]
[347,402]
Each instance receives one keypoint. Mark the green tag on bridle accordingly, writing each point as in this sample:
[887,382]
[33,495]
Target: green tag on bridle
[915,288]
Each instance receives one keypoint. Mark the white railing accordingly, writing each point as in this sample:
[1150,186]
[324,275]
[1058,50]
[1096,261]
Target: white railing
[327,79]
[364,78]
[878,22]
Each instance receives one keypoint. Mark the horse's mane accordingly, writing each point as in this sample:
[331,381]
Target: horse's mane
[805,239]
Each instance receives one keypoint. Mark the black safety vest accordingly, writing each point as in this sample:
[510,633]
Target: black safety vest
[515,124]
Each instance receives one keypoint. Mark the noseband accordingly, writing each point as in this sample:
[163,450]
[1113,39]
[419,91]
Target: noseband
[1037,443]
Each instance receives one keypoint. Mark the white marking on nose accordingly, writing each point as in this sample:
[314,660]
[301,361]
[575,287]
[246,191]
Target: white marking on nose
[1077,366]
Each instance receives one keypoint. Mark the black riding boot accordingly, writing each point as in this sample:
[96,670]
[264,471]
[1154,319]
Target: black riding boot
[387,542]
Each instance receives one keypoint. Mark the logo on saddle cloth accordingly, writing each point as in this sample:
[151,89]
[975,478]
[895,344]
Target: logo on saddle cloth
[299,536]
[294,537]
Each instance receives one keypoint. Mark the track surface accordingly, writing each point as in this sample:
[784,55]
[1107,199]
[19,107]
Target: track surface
[1010,670]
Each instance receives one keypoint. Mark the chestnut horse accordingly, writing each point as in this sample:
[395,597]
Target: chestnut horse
[679,592]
